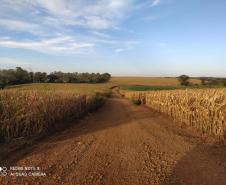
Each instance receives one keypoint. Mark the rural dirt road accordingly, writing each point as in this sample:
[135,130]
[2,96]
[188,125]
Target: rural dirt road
[123,144]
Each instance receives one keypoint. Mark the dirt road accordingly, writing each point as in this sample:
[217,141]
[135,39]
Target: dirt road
[123,144]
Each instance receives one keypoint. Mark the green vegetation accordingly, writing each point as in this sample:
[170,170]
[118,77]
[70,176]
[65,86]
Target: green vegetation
[21,76]
[159,88]
[183,79]
[211,81]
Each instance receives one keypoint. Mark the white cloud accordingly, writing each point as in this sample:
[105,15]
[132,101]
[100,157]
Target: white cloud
[17,25]
[155,2]
[101,14]
[118,50]
[53,25]
[101,35]
[64,44]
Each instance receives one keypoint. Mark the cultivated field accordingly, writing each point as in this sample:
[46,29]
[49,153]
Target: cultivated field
[115,81]
[121,143]
[31,110]
[26,112]
[204,109]
[76,88]
[149,81]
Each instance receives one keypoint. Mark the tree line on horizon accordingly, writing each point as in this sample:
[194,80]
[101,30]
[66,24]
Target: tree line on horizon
[21,76]
[205,81]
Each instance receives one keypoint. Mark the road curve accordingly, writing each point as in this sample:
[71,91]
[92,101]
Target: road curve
[123,144]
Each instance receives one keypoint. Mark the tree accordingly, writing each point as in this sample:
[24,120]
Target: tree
[224,82]
[21,76]
[10,76]
[183,79]
[203,81]
[31,75]
[51,78]
[60,76]
[40,77]
[3,80]
[106,77]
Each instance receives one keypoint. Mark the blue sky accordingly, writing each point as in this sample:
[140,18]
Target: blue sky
[123,37]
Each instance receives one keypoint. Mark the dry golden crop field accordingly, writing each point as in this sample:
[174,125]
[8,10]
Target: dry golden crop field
[112,92]
[37,109]
[29,110]
[76,88]
[152,81]
[204,109]
[103,87]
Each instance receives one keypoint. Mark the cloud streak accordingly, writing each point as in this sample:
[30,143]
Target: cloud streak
[19,26]
[64,26]
[101,14]
[58,44]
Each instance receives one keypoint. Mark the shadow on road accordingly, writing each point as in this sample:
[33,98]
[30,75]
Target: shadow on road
[205,164]
[115,112]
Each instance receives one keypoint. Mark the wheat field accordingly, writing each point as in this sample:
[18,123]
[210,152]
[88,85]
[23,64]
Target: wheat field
[203,109]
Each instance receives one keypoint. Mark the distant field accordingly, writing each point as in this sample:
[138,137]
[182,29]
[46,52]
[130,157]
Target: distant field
[159,88]
[148,81]
[149,88]
[76,88]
